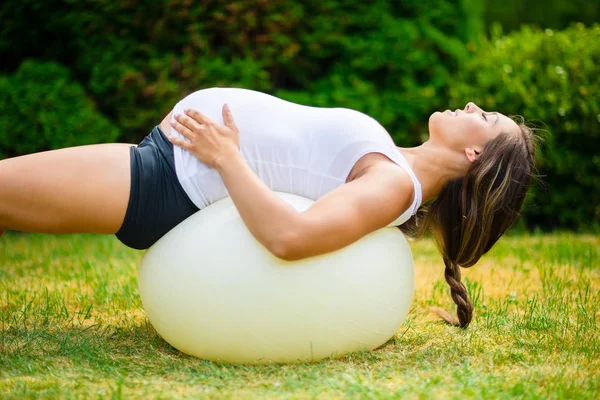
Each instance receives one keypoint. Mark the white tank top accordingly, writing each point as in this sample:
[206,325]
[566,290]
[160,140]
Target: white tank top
[307,151]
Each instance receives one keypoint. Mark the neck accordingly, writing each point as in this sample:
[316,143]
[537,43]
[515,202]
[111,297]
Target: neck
[434,166]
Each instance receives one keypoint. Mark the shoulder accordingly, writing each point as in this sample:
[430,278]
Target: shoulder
[390,180]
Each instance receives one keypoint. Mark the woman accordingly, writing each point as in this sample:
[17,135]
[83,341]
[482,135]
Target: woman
[476,167]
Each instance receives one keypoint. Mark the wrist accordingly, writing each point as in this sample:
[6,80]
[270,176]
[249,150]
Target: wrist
[226,159]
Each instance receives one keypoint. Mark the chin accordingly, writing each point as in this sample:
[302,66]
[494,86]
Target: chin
[435,119]
[438,115]
[438,123]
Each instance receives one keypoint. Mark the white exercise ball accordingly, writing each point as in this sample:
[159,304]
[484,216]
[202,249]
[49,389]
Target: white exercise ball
[211,290]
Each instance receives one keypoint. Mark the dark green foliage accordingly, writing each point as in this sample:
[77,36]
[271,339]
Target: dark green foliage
[391,59]
[42,109]
[397,61]
[551,77]
[553,14]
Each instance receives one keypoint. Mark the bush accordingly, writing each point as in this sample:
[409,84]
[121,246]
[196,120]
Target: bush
[42,109]
[553,77]
[553,14]
[390,59]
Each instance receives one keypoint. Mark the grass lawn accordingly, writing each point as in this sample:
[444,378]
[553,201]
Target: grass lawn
[72,326]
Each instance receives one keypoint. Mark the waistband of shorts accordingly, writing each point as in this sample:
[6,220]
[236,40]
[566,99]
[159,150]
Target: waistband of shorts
[157,201]
[166,149]
[164,146]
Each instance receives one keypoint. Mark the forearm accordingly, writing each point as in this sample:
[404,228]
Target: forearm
[267,217]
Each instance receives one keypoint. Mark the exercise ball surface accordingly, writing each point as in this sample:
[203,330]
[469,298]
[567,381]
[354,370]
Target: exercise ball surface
[211,290]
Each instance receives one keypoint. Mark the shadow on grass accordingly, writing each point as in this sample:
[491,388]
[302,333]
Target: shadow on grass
[104,348]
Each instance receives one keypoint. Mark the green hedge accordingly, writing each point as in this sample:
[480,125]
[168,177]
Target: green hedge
[553,14]
[552,77]
[390,59]
[396,61]
[41,108]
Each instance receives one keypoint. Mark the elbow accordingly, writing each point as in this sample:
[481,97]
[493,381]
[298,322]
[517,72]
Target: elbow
[284,249]
[279,250]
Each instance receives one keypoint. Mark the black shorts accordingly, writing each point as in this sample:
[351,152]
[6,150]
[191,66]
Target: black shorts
[157,202]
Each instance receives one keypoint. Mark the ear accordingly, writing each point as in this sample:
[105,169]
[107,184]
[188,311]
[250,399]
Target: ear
[472,153]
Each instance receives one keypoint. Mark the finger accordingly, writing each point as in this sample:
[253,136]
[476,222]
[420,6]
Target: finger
[228,118]
[190,123]
[184,144]
[198,116]
[182,129]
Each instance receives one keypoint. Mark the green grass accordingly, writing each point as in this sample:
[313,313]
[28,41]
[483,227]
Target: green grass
[72,326]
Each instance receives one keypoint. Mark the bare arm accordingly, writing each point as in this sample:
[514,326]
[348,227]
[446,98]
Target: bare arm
[268,218]
[336,220]
[348,213]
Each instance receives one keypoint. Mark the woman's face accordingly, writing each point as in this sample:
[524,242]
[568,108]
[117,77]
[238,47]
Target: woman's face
[469,129]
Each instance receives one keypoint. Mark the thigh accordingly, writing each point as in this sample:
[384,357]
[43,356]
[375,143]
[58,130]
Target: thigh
[78,189]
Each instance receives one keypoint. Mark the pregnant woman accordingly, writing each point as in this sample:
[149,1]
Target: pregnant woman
[476,168]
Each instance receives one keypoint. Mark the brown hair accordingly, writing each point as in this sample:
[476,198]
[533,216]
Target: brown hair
[472,212]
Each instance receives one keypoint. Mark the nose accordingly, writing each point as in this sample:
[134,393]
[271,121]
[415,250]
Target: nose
[472,107]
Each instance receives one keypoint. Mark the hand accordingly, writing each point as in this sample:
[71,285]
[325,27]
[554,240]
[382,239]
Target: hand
[207,140]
